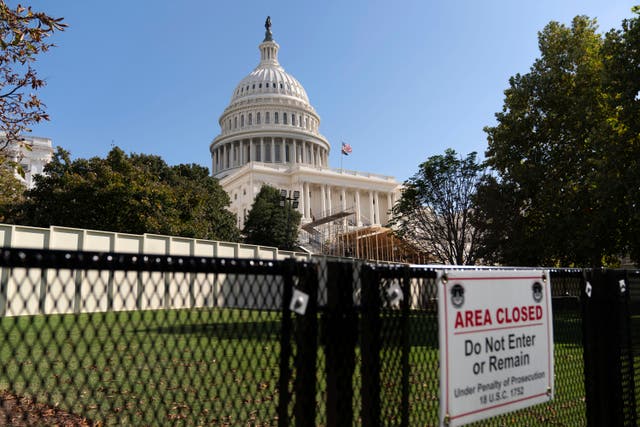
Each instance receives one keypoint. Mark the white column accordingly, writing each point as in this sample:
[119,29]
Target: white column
[273,150]
[343,195]
[283,152]
[371,209]
[294,154]
[301,204]
[224,155]
[307,200]
[376,200]
[241,156]
[252,150]
[323,200]
[358,222]
[262,149]
[213,162]
[329,209]
[389,204]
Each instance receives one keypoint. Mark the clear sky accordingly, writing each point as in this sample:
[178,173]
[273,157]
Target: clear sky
[399,80]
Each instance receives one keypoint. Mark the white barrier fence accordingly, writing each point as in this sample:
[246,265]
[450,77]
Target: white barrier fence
[61,291]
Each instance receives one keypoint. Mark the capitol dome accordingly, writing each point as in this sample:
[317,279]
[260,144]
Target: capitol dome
[269,136]
[268,120]
[269,78]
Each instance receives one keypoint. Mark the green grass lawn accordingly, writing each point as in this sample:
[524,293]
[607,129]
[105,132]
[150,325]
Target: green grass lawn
[191,367]
[221,367]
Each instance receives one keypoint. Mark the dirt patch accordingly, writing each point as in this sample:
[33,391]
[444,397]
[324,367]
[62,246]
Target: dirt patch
[22,411]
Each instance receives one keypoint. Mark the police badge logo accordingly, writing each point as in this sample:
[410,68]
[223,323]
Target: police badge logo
[457,295]
[537,291]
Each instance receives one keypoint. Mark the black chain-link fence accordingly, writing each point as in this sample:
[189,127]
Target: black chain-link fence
[113,339]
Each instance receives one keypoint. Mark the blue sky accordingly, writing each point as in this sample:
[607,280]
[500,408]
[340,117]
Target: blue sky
[400,81]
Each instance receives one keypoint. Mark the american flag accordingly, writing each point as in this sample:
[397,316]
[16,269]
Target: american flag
[346,149]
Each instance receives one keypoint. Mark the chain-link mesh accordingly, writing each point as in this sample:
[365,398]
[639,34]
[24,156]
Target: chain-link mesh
[631,342]
[108,339]
[142,340]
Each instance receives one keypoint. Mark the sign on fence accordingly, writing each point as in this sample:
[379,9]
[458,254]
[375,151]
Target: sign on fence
[496,343]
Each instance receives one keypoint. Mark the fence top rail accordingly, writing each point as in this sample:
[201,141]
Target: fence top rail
[76,260]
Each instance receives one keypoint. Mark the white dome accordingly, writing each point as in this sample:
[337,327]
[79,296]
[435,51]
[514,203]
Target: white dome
[269,120]
[269,78]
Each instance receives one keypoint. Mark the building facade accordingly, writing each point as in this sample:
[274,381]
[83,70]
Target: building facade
[32,159]
[269,134]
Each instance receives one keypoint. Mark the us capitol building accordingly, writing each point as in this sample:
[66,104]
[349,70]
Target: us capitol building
[270,135]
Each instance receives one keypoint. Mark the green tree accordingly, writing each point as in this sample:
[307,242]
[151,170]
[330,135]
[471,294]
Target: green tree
[23,36]
[132,194]
[272,222]
[622,167]
[548,203]
[435,209]
[11,192]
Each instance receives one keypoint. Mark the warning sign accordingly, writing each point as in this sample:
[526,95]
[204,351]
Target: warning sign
[496,343]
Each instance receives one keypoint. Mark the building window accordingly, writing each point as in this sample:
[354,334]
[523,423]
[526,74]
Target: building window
[293,120]
[267,84]
[250,119]
[277,152]
[267,151]
[254,86]
[260,86]
[275,117]
[284,118]
[235,122]
[242,121]
[306,122]
[266,117]
[258,117]
[229,128]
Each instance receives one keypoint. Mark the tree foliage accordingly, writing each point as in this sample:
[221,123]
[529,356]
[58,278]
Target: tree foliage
[435,209]
[133,194]
[24,35]
[11,192]
[558,195]
[269,223]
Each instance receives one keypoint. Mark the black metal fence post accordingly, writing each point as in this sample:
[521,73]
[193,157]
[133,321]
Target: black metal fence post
[284,394]
[370,347]
[340,337]
[306,336]
[606,348]
[406,345]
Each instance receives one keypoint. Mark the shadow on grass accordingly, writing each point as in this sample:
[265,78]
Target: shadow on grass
[262,331]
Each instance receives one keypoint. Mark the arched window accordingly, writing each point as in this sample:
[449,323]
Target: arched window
[275,117]
[266,117]
[284,118]
[306,122]
[250,119]
[242,121]
[235,122]
[293,120]
[258,117]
